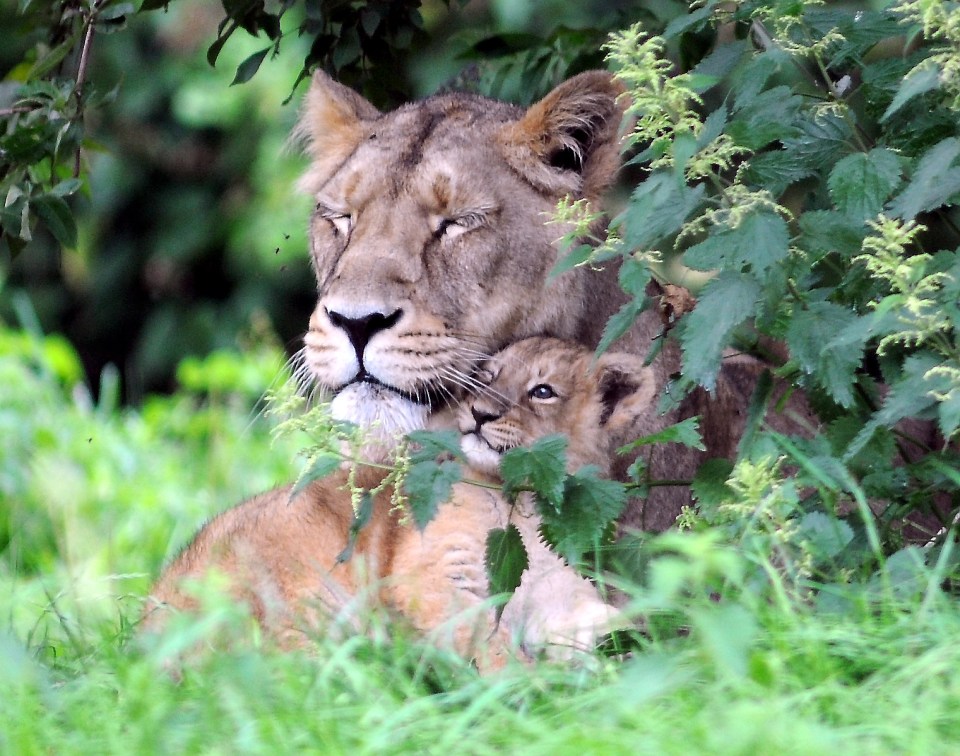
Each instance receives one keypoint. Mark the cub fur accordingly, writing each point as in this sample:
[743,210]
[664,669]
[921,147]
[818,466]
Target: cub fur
[279,554]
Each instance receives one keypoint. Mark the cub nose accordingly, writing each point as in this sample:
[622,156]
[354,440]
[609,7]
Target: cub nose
[360,330]
[482,416]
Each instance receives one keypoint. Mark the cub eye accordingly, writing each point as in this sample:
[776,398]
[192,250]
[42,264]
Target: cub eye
[342,222]
[542,392]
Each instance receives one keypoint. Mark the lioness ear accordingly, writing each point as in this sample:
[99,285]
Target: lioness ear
[627,388]
[568,142]
[332,123]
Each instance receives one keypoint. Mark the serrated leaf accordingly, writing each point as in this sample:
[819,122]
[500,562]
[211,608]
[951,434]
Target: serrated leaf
[709,485]
[825,536]
[506,559]
[657,209]
[777,170]
[948,414]
[921,79]
[827,231]
[634,276]
[431,444]
[859,184]
[427,485]
[758,243]
[908,397]
[686,432]
[250,66]
[932,184]
[809,337]
[724,303]
[319,468]
[756,410]
[57,217]
[765,118]
[576,256]
[541,467]
[589,504]
[619,323]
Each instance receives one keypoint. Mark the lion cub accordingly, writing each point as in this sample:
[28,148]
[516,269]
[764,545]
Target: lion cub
[279,553]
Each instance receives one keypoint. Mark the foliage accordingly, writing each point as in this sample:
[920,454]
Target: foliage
[802,160]
[871,670]
[800,164]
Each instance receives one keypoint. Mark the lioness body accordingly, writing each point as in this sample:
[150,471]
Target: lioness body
[279,553]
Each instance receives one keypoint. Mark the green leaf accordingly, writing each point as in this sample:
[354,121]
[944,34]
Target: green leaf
[709,486]
[921,79]
[320,467]
[825,232]
[686,432]
[590,503]
[576,256]
[765,118]
[57,217]
[634,276]
[428,484]
[360,518]
[908,397]
[933,183]
[756,411]
[859,184]
[541,467]
[809,338]
[657,209]
[777,170]
[619,323]
[724,303]
[825,536]
[758,243]
[505,559]
[249,67]
[432,444]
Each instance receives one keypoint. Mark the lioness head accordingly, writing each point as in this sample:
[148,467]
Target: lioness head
[541,386]
[428,236]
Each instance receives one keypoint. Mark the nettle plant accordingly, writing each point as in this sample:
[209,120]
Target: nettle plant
[808,164]
[804,160]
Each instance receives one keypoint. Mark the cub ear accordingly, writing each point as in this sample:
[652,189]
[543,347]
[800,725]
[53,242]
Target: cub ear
[627,390]
[568,142]
[333,121]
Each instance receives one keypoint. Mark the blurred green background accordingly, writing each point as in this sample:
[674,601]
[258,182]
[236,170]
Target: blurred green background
[190,232]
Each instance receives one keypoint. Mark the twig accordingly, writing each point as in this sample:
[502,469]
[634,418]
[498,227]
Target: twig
[81,80]
[13,111]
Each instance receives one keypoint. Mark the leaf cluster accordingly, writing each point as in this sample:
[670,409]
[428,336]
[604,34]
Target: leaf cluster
[805,161]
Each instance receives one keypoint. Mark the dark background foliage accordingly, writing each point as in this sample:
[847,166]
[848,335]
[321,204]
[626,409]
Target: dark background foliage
[189,234]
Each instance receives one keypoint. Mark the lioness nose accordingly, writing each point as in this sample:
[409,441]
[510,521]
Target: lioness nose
[361,330]
[482,416]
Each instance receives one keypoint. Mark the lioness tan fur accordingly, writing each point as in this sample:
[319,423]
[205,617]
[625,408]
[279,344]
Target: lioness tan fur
[432,248]
[279,554]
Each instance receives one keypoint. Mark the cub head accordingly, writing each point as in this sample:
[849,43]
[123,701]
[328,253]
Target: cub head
[541,386]
[428,236]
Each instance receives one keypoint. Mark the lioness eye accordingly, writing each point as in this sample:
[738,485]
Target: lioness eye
[450,228]
[342,222]
[542,391]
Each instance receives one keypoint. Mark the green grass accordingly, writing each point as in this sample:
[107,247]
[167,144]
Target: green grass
[93,499]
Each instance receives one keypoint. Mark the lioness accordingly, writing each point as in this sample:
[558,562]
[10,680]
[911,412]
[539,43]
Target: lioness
[279,554]
[431,248]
